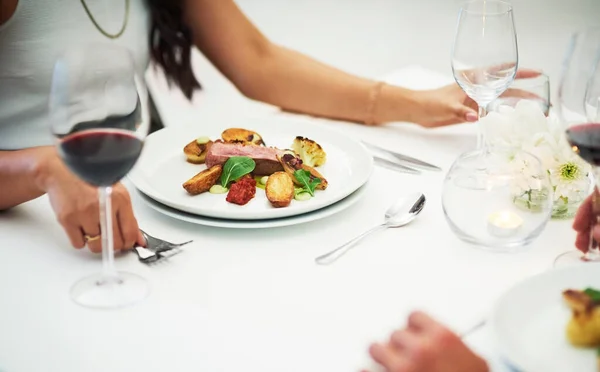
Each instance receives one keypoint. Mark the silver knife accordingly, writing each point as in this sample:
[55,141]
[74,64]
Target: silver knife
[405,158]
[394,166]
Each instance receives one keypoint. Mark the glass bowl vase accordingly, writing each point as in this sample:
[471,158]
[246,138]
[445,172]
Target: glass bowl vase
[500,200]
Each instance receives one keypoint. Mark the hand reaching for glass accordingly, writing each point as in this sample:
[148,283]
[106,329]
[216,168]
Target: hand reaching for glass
[426,346]
[451,105]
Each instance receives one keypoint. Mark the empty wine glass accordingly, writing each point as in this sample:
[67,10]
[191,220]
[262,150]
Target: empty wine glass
[578,109]
[96,117]
[484,54]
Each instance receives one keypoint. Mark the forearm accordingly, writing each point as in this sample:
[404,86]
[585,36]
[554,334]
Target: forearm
[22,174]
[295,82]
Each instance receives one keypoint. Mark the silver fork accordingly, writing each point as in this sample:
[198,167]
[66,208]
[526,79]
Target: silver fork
[157,250]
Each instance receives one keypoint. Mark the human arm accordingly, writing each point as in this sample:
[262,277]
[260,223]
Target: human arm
[280,76]
[21,175]
[426,346]
[29,173]
[584,223]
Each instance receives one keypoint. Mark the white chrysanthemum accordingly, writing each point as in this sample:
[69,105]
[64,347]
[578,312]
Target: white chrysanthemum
[525,127]
[569,176]
[526,175]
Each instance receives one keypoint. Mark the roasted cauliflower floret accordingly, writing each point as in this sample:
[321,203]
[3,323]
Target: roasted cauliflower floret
[311,153]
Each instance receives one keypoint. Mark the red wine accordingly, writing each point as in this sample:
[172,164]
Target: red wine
[585,139]
[101,157]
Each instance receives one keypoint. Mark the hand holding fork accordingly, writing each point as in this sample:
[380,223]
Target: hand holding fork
[157,250]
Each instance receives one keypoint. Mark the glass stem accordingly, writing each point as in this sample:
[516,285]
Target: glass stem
[482,112]
[106,227]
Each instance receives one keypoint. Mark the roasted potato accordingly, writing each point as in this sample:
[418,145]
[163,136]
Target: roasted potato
[280,189]
[583,328]
[196,153]
[313,172]
[203,181]
[293,163]
[245,136]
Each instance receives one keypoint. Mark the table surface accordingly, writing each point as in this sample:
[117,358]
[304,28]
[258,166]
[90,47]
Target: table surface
[254,300]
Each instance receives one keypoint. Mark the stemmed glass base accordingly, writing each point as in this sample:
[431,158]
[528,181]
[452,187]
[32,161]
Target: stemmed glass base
[572,258]
[100,291]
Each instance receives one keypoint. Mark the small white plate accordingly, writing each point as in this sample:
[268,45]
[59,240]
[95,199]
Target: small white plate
[162,169]
[257,224]
[529,322]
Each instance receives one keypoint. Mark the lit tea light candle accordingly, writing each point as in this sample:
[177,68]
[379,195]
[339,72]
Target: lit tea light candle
[504,223]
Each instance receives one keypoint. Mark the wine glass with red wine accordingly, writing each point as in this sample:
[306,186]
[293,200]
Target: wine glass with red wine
[578,108]
[97,119]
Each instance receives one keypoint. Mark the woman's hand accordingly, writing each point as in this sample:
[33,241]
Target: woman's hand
[426,346]
[450,105]
[585,223]
[76,206]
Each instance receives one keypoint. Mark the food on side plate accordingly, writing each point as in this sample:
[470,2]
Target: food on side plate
[242,191]
[196,150]
[583,328]
[204,180]
[264,157]
[243,136]
[311,153]
[280,189]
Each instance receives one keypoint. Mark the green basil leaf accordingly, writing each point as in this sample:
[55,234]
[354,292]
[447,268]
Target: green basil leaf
[593,293]
[235,168]
[309,183]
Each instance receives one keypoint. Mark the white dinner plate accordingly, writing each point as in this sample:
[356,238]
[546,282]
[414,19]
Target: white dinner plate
[256,224]
[162,168]
[529,322]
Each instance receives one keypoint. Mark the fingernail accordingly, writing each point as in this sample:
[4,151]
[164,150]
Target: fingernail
[471,116]
[596,231]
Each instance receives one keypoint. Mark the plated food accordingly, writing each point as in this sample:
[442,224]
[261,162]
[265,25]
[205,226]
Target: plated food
[171,178]
[583,328]
[547,322]
[239,163]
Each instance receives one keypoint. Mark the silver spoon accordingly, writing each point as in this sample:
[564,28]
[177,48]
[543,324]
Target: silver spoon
[402,212]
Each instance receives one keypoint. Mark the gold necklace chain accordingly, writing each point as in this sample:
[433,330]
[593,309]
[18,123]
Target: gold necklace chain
[110,36]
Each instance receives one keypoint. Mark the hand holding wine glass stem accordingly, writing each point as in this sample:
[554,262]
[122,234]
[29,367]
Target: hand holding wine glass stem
[106,223]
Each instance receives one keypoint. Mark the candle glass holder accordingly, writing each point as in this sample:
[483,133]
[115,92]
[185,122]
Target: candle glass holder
[500,200]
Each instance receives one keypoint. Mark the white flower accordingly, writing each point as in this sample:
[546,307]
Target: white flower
[570,175]
[527,174]
[525,127]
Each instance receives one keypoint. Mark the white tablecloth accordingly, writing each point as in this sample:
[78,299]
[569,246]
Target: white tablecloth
[253,300]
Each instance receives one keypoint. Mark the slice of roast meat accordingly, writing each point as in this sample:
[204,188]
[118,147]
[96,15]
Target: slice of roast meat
[265,157]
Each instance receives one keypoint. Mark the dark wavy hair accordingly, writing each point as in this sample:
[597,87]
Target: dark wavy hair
[171,44]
